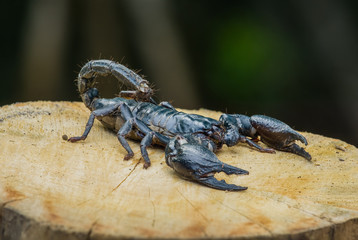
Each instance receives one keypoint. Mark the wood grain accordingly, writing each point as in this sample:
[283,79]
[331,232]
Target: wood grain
[53,189]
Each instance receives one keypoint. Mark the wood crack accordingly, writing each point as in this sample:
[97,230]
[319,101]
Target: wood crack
[154,213]
[135,166]
[196,209]
[3,205]
[279,200]
[250,219]
[89,233]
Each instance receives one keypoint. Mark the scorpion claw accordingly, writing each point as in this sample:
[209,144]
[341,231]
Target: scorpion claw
[294,148]
[221,185]
[197,163]
[228,169]
[279,135]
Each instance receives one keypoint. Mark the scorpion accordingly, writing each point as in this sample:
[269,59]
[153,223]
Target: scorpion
[190,140]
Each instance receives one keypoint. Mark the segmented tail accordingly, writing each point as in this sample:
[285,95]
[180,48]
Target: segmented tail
[86,79]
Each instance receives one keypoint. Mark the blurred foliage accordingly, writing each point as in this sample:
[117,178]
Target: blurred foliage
[250,62]
[288,59]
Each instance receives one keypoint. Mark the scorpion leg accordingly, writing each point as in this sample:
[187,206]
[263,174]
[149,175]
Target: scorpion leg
[148,133]
[123,131]
[147,140]
[96,113]
[196,162]
[121,134]
[251,143]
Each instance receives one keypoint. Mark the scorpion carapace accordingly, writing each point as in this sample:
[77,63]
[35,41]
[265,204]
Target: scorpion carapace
[190,140]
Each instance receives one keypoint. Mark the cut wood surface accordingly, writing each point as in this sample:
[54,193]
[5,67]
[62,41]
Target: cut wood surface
[53,189]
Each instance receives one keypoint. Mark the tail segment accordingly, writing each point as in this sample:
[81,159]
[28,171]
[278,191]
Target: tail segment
[86,80]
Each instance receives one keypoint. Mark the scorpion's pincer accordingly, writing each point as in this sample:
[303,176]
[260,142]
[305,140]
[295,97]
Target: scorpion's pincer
[279,135]
[197,163]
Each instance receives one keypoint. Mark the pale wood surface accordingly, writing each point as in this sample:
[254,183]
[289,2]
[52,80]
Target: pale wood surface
[53,189]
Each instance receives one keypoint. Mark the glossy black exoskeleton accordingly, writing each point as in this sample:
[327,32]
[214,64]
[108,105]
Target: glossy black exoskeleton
[190,140]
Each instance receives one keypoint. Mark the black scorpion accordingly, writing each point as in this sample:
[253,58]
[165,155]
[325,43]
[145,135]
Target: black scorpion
[190,140]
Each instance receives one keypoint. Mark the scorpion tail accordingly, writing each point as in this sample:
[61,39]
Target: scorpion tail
[86,80]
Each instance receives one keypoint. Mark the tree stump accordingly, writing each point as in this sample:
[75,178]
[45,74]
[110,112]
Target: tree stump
[53,189]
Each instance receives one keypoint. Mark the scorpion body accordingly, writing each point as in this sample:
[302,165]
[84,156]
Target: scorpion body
[190,140]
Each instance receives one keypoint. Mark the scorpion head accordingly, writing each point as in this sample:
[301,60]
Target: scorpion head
[216,135]
[196,162]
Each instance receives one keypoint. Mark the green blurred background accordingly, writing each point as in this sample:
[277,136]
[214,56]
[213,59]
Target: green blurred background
[292,60]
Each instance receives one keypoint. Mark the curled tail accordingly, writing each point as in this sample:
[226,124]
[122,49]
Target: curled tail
[86,81]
